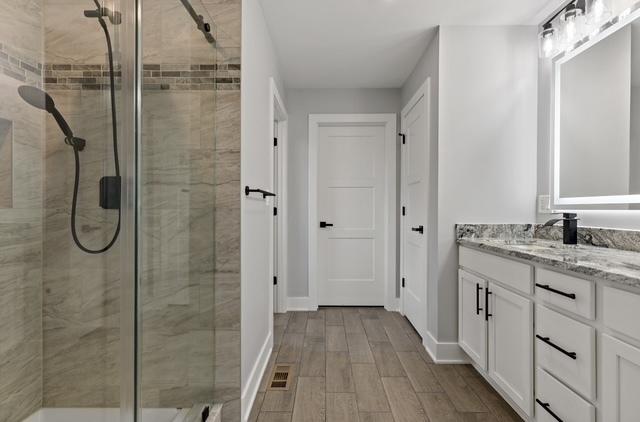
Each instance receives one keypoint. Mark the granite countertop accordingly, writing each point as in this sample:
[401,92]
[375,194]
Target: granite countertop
[614,265]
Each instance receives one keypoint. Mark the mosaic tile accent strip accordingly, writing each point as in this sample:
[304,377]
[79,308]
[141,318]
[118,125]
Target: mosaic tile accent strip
[173,77]
[19,67]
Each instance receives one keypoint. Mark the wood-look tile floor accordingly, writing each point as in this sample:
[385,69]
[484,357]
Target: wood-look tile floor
[368,365]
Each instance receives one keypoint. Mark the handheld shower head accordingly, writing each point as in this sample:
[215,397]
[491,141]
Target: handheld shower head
[37,98]
[43,101]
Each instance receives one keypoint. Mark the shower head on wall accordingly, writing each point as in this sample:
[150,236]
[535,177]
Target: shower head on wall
[43,101]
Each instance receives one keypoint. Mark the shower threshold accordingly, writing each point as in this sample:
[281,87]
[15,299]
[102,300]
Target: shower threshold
[193,414]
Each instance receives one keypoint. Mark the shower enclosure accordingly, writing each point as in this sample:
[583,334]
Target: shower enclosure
[108,210]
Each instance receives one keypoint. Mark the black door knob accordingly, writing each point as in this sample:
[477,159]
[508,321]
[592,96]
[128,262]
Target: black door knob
[419,229]
[324,224]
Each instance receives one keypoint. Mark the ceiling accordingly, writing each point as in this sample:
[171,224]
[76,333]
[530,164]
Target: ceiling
[375,43]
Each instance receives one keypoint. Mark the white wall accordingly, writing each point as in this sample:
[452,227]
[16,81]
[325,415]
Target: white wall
[259,63]
[301,103]
[487,141]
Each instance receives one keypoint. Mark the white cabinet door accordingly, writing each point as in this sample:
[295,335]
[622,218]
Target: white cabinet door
[511,345]
[472,325]
[620,381]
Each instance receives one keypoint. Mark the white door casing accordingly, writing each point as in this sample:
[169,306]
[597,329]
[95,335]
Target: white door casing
[415,190]
[352,188]
[279,125]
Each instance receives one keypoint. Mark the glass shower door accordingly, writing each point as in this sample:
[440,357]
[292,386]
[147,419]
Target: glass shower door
[176,216]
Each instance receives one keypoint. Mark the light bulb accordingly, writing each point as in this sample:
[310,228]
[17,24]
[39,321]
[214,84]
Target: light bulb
[547,41]
[598,12]
[574,25]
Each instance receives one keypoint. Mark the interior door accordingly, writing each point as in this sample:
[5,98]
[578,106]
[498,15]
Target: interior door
[415,188]
[472,322]
[511,345]
[351,192]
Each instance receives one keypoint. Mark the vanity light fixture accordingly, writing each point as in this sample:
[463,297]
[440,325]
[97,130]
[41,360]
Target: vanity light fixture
[570,25]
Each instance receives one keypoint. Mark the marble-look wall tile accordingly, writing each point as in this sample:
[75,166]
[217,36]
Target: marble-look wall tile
[227,16]
[20,313]
[21,26]
[21,225]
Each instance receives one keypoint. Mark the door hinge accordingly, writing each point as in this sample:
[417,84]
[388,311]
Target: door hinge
[275,210]
[275,280]
[402,282]
[404,138]
[275,142]
[404,210]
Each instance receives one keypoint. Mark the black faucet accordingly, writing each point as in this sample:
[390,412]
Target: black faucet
[569,227]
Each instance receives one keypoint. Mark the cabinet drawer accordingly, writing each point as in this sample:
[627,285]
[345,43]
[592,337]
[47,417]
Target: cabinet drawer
[566,349]
[570,293]
[511,273]
[552,397]
[621,311]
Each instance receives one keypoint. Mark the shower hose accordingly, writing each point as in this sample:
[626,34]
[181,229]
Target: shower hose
[116,160]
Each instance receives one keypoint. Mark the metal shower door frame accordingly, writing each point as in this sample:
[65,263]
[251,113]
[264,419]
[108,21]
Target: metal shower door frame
[131,84]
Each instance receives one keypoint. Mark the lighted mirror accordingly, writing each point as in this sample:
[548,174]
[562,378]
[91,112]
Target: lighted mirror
[597,119]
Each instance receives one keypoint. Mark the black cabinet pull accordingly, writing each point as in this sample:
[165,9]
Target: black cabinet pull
[478,308]
[558,292]
[419,229]
[486,304]
[547,340]
[248,191]
[324,224]
[547,407]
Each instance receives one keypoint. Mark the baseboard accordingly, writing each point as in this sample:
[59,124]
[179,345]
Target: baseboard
[444,352]
[393,305]
[302,303]
[251,389]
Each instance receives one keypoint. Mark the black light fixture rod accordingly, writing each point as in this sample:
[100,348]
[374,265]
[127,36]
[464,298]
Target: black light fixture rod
[580,4]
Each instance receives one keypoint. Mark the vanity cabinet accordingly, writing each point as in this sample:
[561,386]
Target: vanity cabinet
[495,329]
[567,349]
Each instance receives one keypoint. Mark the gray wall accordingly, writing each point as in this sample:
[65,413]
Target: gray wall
[301,103]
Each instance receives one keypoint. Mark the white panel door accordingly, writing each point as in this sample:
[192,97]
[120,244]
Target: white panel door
[620,381]
[511,345]
[472,323]
[415,189]
[351,192]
